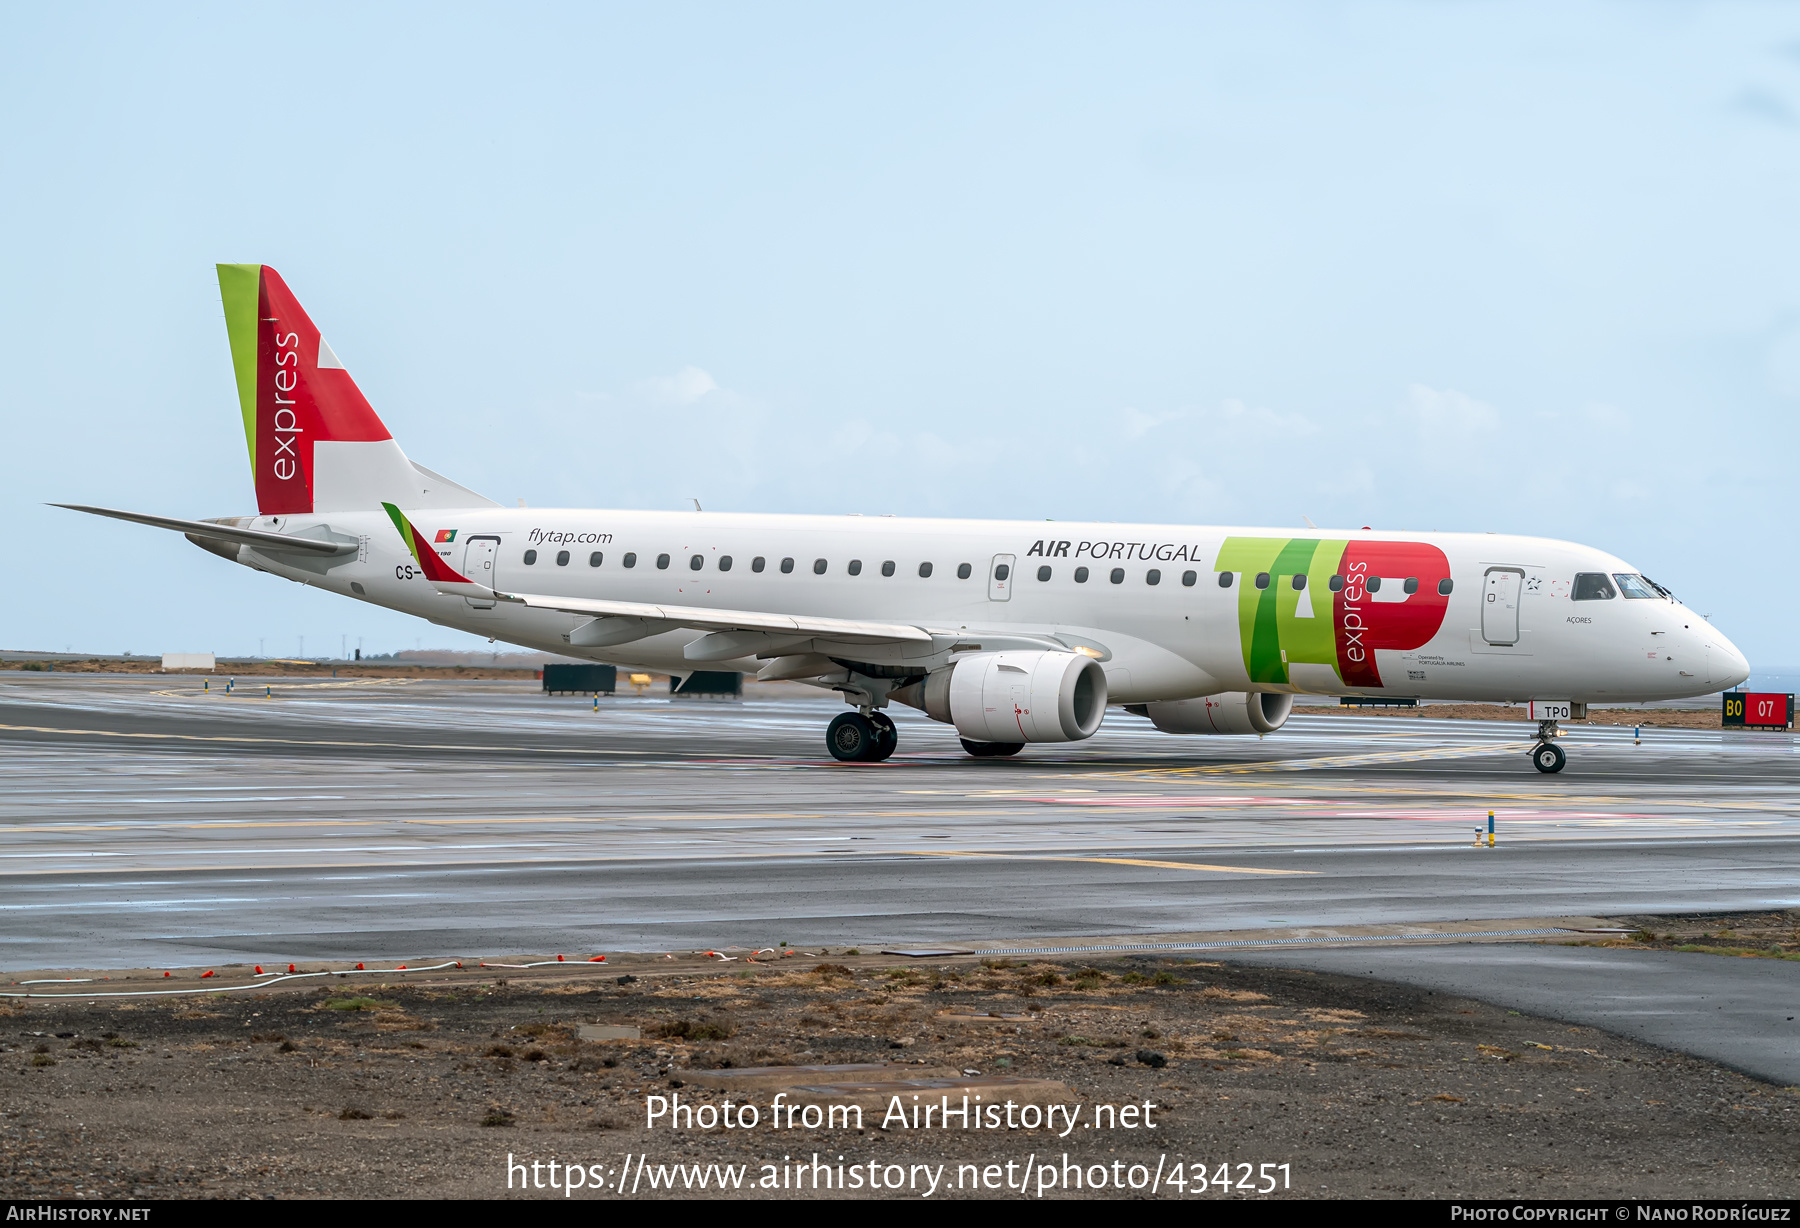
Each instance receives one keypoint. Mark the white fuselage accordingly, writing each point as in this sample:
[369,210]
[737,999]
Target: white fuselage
[1165,640]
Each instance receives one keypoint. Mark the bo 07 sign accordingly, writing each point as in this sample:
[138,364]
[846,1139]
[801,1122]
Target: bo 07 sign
[1758,710]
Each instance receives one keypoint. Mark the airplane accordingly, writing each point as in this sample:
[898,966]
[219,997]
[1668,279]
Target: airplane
[1014,632]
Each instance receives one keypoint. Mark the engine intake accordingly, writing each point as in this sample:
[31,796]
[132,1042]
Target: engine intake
[1228,712]
[1014,696]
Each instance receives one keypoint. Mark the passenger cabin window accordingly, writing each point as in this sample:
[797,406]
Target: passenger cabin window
[1299,583]
[1118,575]
[724,562]
[787,565]
[1262,579]
[1335,584]
[925,571]
[1153,576]
[596,558]
[562,558]
[1635,588]
[630,559]
[963,571]
[662,562]
[757,563]
[1445,587]
[1224,579]
[530,557]
[1189,579]
[1592,586]
[855,567]
[1043,573]
[696,562]
[1002,571]
[1411,585]
[818,567]
[1081,575]
[1373,584]
[887,568]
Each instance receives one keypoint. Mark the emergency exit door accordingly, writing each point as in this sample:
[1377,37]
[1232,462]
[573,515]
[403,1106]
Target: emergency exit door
[1500,605]
[478,564]
[1000,578]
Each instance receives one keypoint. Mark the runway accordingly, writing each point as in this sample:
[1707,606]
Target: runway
[152,824]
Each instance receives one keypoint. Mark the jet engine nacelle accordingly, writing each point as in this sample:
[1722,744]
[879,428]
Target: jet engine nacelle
[1229,712]
[1014,696]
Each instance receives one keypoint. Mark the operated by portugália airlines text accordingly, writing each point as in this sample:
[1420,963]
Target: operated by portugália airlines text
[1030,1177]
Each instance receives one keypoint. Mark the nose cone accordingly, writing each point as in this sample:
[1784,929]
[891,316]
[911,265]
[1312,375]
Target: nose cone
[1725,663]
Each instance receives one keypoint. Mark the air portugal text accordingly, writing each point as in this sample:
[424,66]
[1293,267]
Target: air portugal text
[1162,552]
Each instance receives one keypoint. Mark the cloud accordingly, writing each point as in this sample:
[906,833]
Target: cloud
[682,388]
[1257,420]
[1606,417]
[1138,423]
[1448,415]
[1765,104]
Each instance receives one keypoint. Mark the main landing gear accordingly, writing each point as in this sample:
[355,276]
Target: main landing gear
[992,750]
[855,738]
[1547,756]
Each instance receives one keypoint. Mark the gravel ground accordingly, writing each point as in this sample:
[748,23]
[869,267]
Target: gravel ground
[1361,1089]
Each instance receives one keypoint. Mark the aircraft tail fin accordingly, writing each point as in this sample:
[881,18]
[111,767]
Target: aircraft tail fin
[316,445]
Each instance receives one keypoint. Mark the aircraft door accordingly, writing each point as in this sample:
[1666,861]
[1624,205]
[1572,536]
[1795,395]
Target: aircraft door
[478,564]
[1500,604]
[1000,578]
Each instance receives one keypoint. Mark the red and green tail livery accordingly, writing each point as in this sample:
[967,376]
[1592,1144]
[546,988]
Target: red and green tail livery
[294,393]
[434,568]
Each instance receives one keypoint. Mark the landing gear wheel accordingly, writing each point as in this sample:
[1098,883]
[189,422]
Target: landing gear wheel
[1548,757]
[851,738]
[992,750]
[887,738]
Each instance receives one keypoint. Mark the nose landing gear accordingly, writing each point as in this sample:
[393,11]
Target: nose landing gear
[1547,756]
[855,738]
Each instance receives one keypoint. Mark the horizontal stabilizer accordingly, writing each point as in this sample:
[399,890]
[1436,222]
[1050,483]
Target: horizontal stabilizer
[223,532]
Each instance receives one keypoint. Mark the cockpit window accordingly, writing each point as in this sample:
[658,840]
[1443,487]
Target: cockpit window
[1636,588]
[1592,586]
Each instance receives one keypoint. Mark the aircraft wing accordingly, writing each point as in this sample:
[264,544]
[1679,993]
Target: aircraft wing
[222,532]
[701,619]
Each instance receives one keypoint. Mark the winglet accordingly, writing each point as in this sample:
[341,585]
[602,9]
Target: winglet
[436,570]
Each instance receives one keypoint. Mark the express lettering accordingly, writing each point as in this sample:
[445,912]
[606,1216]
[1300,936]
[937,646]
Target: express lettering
[1350,624]
[286,462]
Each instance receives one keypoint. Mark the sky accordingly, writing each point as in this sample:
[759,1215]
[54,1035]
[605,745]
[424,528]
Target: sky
[1528,268]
